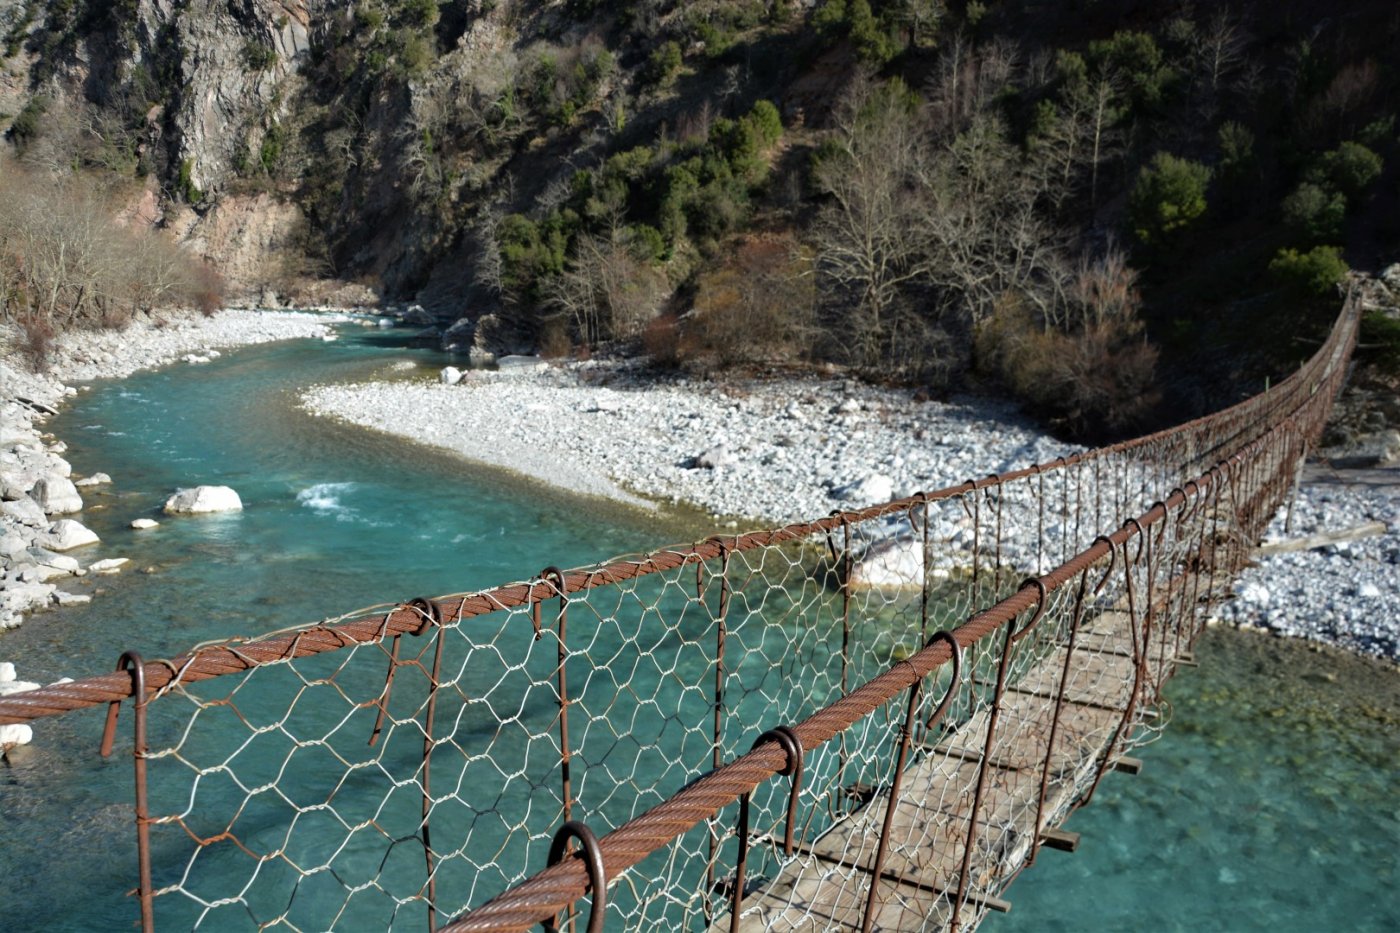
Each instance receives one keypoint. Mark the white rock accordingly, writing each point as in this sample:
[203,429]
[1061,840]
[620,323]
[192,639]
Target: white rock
[57,561]
[1368,591]
[203,499]
[67,534]
[521,365]
[56,495]
[24,597]
[96,479]
[140,524]
[891,564]
[716,458]
[848,407]
[110,565]
[7,671]
[872,489]
[1254,593]
[450,376]
[19,733]
[71,599]
[608,401]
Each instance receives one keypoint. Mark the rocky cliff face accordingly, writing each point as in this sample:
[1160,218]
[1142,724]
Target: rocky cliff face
[206,97]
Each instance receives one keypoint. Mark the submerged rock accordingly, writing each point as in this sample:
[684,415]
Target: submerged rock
[203,499]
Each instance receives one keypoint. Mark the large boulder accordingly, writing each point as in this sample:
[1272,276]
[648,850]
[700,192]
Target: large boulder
[891,564]
[56,495]
[66,534]
[25,511]
[202,499]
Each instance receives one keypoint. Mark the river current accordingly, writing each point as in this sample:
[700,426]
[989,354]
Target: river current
[1269,803]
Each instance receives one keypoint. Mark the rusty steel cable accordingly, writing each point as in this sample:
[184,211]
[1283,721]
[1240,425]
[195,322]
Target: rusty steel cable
[219,660]
[758,638]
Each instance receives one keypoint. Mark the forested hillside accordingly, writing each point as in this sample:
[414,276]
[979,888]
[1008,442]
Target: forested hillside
[1122,212]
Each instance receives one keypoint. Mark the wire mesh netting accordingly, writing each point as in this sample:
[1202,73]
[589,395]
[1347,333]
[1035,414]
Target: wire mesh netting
[868,720]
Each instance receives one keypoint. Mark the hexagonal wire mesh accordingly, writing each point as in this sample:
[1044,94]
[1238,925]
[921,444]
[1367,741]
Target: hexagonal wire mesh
[398,765]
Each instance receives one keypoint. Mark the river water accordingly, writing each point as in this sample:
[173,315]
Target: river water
[1269,803]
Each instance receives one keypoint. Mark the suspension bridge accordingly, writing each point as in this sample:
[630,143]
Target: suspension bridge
[738,734]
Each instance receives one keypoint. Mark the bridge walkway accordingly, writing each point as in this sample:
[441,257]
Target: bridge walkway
[825,885]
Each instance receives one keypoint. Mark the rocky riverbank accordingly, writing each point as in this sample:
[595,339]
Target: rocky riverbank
[751,451]
[42,539]
[1345,592]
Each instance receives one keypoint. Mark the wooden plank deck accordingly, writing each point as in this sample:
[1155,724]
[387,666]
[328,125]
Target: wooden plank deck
[826,884]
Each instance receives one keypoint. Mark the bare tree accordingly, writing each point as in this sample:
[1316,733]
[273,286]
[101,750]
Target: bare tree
[871,236]
[987,238]
[605,290]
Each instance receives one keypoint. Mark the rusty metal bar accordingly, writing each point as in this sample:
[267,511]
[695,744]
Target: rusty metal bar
[130,662]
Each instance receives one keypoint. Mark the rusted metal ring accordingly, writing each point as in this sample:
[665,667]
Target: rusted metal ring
[429,610]
[1112,561]
[132,660]
[791,744]
[952,690]
[1142,539]
[1041,593]
[592,855]
[560,587]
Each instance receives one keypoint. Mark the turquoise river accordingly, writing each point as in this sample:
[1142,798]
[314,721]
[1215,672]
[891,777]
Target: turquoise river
[1272,801]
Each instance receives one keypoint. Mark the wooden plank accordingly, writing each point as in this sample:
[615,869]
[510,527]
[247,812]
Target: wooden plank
[1368,530]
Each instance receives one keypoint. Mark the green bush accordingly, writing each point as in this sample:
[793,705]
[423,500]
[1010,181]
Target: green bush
[1351,168]
[1170,195]
[26,126]
[257,56]
[1379,341]
[1311,275]
[663,65]
[1315,212]
[184,183]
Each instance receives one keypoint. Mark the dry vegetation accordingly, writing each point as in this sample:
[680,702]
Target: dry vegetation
[66,263]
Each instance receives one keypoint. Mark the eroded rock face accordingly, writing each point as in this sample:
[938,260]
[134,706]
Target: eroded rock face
[203,499]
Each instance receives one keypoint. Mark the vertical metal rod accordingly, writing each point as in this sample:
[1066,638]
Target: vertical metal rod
[905,739]
[717,743]
[1002,667]
[1139,665]
[924,587]
[427,769]
[847,563]
[145,890]
[1075,617]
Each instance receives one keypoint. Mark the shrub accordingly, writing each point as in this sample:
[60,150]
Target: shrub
[1169,196]
[26,126]
[257,56]
[1315,212]
[1379,340]
[1096,383]
[663,64]
[1311,275]
[1351,168]
[757,305]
